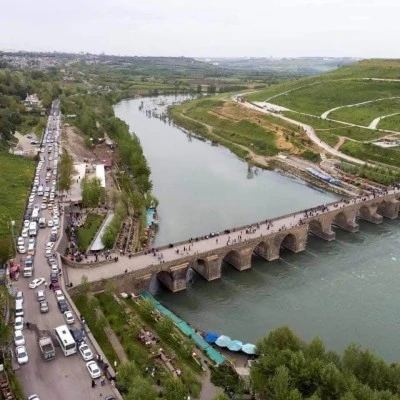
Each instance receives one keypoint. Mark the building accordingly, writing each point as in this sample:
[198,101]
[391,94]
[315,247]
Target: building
[32,101]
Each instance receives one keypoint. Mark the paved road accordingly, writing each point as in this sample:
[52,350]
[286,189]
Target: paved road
[140,261]
[64,378]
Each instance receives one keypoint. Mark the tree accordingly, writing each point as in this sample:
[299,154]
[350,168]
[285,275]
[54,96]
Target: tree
[140,389]
[91,192]
[175,390]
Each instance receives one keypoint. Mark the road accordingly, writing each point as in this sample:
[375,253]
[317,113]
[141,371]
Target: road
[64,378]
[141,261]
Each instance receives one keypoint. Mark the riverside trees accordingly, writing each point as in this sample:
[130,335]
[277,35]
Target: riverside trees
[288,368]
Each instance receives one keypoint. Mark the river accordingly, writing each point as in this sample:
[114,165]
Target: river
[342,291]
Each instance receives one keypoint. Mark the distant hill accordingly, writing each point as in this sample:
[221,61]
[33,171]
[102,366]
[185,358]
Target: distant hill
[299,65]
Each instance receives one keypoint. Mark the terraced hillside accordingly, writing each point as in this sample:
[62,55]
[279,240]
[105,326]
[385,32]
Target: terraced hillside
[350,108]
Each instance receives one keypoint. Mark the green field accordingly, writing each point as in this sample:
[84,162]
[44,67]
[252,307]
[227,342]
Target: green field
[365,114]
[322,97]
[15,183]
[88,231]
[391,123]
[386,69]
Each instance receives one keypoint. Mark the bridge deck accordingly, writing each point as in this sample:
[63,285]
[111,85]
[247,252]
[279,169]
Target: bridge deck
[141,261]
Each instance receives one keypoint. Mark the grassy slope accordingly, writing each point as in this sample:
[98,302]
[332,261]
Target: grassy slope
[392,123]
[15,181]
[365,114]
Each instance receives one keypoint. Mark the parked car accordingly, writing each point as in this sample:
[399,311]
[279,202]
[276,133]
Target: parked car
[19,339]
[62,305]
[53,277]
[93,369]
[19,295]
[21,250]
[77,334]
[44,307]
[51,261]
[19,324]
[85,351]
[22,355]
[69,317]
[53,237]
[50,223]
[41,295]
[21,241]
[59,295]
[24,232]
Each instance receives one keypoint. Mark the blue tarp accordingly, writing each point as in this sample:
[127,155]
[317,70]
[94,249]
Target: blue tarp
[249,348]
[217,357]
[150,216]
[235,345]
[223,341]
[211,337]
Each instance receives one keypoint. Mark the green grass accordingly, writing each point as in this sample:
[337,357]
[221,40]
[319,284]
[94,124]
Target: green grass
[321,97]
[391,123]
[328,137]
[365,114]
[87,233]
[32,123]
[242,132]
[376,68]
[370,152]
[15,183]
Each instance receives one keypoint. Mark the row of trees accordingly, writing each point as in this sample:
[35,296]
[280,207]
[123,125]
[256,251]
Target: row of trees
[65,172]
[289,369]
[385,176]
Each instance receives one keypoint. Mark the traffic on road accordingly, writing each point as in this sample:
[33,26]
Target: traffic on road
[51,351]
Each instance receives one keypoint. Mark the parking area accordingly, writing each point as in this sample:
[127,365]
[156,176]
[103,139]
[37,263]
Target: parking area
[50,363]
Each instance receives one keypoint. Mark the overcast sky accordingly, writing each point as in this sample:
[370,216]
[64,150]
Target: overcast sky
[204,28]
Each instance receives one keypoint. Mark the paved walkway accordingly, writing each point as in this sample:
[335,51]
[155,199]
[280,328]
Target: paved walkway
[261,230]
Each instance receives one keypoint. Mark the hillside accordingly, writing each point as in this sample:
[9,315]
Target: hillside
[350,108]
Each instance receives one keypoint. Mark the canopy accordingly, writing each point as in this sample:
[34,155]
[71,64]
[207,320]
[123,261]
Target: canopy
[223,341]
[211,337]
[235,345]
[249,348]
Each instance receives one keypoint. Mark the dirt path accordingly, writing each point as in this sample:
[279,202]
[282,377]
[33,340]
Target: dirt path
[73,142]
[342,139]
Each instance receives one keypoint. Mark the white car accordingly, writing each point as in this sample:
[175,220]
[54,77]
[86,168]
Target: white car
[59,295]
[25,232]
[18,324]
[69,317]
[22,355]
[26,223]
[50,223]
[21,249]
[48,253]
[33,397]
[43,206]
[85,351]
[21,241]
[49,245]
[93,369]
[36,207]
[36,283]
[54,229]
[19,338]
[54,269]
[41,295]
[56,221]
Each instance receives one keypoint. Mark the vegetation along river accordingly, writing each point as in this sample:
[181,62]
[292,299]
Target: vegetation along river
[343,291]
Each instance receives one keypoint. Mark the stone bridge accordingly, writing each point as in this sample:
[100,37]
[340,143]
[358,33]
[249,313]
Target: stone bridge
[170,264]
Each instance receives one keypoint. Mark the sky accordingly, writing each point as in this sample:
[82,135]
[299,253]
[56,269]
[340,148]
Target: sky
[204,28]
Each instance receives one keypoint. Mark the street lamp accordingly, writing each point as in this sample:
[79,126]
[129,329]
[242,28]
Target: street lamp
[13,237]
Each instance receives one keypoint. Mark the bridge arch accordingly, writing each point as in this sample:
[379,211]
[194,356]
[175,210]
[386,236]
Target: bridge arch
[289,242]
[165,278]
[200,266]
[234,258]
[262,249]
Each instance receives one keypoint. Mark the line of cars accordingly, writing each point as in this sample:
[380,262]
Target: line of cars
[35,222]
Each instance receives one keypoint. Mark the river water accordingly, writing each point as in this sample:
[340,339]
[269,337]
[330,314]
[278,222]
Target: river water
[343,291]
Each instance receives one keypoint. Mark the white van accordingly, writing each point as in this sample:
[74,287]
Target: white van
[40,190]
[42,223]
[32,229]
[19,310]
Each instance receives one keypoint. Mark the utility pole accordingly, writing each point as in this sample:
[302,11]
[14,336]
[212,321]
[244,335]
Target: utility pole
[13,237]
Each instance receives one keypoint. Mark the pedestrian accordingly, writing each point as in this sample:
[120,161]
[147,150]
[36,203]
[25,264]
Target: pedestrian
[93,383]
